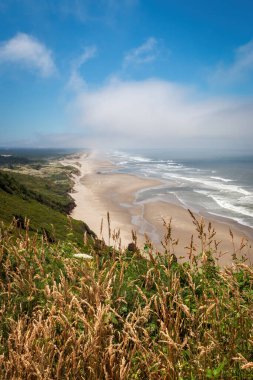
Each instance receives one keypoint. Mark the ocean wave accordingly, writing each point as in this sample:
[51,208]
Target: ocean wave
[139,159]
[210,184]
[241,221]
[122,163]
[224,203]
[223,179]
[148,171]
[170,166]
[247,201]
[204,192]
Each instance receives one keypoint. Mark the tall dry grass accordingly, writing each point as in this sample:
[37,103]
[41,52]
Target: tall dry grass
[123,315]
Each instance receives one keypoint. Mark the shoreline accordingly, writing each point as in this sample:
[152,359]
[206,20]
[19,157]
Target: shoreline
[98,191]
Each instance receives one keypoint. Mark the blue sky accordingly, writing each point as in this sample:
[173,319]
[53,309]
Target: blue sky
[123,73]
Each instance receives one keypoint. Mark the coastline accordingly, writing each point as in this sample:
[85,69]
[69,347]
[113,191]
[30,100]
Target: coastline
[98,191]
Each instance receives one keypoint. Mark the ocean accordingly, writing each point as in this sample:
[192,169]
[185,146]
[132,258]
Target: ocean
[220,185]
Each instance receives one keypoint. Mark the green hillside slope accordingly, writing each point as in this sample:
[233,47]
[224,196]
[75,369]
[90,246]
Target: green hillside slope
[40,195]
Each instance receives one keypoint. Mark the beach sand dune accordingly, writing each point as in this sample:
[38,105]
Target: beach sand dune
[98,191]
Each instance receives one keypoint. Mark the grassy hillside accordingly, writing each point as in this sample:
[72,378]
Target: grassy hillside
[51,190]
[121,315]
[42,219]
[38,192]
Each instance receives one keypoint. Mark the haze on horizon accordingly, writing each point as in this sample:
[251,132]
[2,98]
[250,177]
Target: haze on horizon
[129,73]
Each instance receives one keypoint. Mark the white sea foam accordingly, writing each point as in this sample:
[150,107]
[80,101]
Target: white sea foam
[148,171]
[210,184]
[139,159]
[246,200]
[123,163]
[223,179]
[170,166]
[238,220]
[224,203]
[204,192]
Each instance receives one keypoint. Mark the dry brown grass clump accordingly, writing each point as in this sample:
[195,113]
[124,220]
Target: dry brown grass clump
[122,315]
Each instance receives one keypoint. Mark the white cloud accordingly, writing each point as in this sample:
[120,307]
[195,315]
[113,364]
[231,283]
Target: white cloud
[28,52]
[88,53]
[159,113]
[76,82]
[145,53]
[238,70]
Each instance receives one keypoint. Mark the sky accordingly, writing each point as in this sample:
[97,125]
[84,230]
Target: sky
[126,74]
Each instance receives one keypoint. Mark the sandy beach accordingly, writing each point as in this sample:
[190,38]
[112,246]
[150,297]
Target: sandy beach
[98,191]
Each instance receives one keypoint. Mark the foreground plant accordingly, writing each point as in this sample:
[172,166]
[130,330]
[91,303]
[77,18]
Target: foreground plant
[123,315]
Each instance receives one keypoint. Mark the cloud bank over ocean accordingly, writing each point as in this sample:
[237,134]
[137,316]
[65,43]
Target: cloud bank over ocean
[159,113]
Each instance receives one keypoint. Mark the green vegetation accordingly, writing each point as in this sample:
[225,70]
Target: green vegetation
[42,219]
[38,192]
[51,191]
[121,315]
